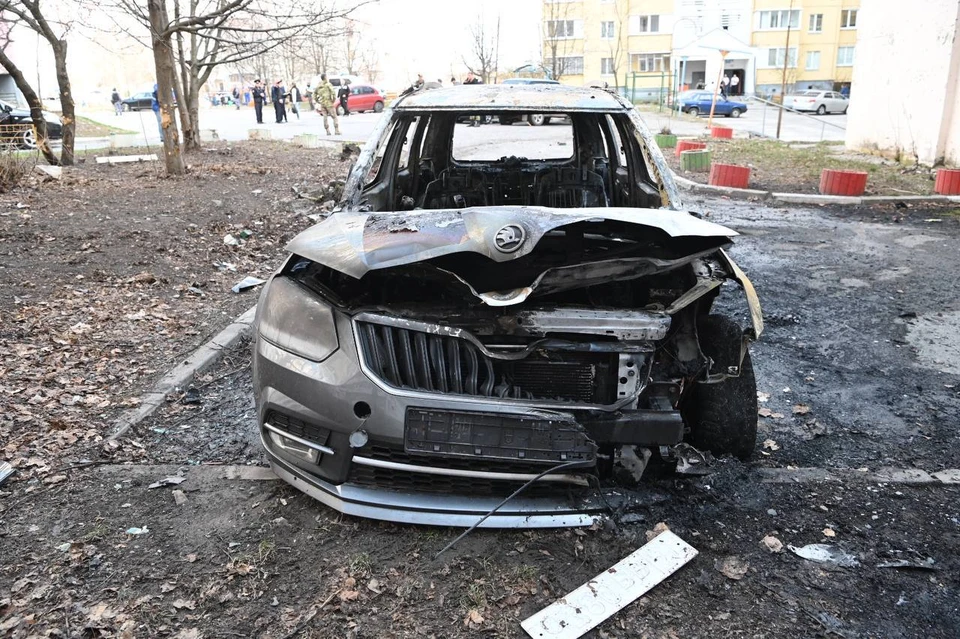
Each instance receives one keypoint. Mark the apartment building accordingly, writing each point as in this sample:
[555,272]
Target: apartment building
[648,44]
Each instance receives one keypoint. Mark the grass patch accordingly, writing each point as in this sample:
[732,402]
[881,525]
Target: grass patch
[795,168]
[87,128]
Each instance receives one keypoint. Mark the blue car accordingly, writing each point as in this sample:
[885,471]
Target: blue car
[698,103]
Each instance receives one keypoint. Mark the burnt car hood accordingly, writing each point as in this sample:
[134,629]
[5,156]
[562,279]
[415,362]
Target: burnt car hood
[355,243]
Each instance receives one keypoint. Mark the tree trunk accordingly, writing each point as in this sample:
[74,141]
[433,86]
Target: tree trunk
[36,107]
[68,115]
[164,64]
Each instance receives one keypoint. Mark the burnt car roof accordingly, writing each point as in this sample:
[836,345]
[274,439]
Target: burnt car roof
[513,97]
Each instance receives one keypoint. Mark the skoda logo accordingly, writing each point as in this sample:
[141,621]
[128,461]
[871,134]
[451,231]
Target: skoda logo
[509,238]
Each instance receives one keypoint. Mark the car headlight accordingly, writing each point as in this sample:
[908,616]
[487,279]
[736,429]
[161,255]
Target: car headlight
[292,318]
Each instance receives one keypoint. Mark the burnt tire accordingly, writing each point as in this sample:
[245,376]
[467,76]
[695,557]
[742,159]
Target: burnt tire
[723,416]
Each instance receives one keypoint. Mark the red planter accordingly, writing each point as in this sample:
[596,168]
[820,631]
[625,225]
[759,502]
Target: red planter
[835,182]
[723,132]
[688,145]
[731,175]
[948,182]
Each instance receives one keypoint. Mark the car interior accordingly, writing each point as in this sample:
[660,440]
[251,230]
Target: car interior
[418,167]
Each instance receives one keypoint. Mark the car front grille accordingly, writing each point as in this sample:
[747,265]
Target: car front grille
[441,363]
[400,480]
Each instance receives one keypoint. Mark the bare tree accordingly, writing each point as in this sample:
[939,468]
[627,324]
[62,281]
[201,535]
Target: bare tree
[211,33]
[617,41]
[53,28]
[166,81]
[484,47]
[556,37]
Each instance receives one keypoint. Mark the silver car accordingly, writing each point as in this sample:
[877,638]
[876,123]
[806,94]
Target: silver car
[819,102]
[475,318]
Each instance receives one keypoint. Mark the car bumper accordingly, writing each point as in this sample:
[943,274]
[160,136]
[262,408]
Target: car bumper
[307,412]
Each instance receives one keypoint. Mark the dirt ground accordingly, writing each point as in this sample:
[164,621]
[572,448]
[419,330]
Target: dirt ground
[113,273]
[855,370]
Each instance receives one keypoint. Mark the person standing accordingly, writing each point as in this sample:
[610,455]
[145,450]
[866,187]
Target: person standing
[276,96]
[735,84]
[155,105]
[344,96]
[309,96]
[259,97]
[295,99]
[724,83]
[236,97]
[325,98]
[117,102]
[472,79]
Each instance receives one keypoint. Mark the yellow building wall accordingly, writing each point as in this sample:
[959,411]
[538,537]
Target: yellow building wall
[827,42]
[593,47]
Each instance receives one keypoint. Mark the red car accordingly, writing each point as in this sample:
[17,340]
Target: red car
[364,97]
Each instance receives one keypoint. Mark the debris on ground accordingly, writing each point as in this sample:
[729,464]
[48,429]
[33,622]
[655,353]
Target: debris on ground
[732,567]
[772,544]
[827,554]
[246,284]
[175,480]
[576,613]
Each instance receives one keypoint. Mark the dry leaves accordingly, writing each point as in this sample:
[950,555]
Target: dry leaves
[772,544]
[769,444]
[732,567]
[473,619]
[800,409]
[766,412]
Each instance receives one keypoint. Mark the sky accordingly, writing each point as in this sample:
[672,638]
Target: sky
[432,36]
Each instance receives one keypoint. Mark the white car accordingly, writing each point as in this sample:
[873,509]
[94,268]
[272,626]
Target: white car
[819,102]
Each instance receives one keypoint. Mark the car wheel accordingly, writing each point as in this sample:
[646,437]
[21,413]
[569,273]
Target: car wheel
[694,111]
[822,109]
[735,113]
[28,139]
[536,119]
[723,417]
[126,107]
[378,106]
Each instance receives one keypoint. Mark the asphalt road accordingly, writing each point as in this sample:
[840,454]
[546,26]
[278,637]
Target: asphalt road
[235,124]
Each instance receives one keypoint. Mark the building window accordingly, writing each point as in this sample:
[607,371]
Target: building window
[570,65]
[779,19]
[606,66]
[813,60]
[816,23]
[649,62]
[644,24]
[560,28]
[775,56]
[606,30]
[845,56]
[848,19]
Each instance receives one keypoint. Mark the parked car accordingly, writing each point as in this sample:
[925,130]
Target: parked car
[364,97]
[819,102]
[698,103]
[473,318]
[138,101]
[16,126]
[535,119]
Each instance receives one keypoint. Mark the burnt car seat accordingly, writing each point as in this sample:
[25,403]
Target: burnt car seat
[571,188]
[455,190]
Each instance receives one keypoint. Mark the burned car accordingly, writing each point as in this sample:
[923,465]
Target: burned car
[490,306]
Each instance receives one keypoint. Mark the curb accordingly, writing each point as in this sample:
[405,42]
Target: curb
[201,359]
[809,198]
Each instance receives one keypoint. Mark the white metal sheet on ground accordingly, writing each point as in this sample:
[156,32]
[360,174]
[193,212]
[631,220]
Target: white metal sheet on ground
[612,590]
[122,159]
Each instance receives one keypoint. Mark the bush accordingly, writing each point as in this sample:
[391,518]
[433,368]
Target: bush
[14,167]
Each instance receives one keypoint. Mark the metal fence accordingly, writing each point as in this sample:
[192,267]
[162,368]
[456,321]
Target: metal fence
[18,136]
